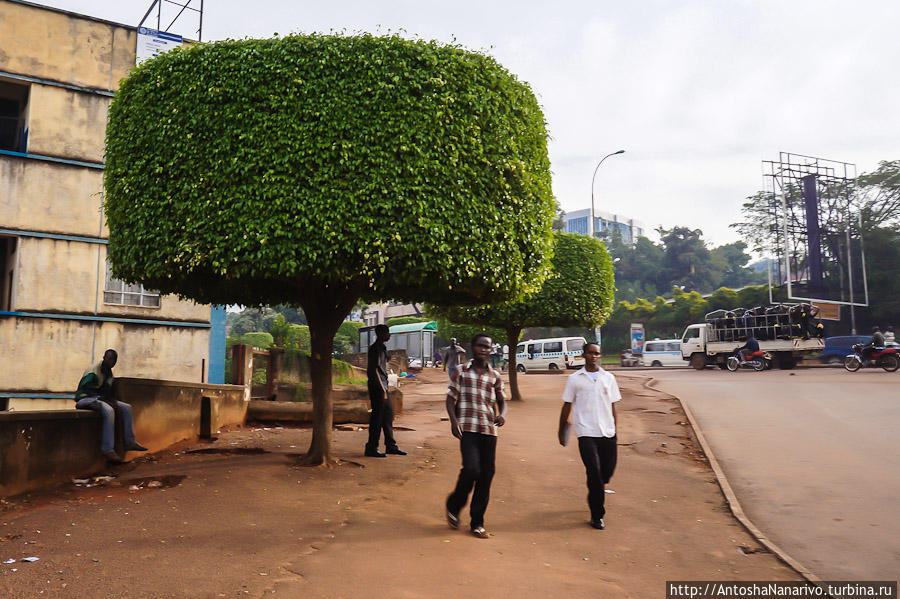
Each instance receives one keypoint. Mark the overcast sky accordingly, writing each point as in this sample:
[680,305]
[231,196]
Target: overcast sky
[697,93]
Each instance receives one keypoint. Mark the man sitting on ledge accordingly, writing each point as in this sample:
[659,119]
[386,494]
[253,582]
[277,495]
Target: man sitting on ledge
[95,393]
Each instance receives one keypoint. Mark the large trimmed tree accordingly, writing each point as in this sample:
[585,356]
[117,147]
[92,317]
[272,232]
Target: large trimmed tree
[578,293]
[314,170]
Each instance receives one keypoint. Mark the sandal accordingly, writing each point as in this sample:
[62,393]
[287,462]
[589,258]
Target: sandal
[480,532]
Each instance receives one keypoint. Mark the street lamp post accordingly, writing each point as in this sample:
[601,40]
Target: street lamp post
[593,217]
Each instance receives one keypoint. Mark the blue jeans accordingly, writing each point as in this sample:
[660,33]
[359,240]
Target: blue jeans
[109,421]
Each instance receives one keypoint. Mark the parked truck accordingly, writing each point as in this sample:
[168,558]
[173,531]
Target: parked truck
[785,331]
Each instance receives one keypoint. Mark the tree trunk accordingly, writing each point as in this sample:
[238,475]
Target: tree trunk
[512,339]
[326,306]
[322,344]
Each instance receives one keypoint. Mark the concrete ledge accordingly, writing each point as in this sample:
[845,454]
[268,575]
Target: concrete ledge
[350,406]
[38,449]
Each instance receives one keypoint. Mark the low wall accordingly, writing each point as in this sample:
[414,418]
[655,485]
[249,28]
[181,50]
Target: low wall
[350,405]
[166,412]
[41,448]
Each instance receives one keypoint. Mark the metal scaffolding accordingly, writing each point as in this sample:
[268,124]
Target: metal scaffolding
[816,235]
[170,6]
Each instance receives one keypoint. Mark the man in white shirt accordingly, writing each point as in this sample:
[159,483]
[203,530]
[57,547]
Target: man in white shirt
[589,398]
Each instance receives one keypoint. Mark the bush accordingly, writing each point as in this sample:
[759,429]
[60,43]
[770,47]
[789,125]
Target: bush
[258,339]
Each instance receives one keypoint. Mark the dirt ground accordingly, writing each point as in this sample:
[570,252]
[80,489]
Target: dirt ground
[238,518]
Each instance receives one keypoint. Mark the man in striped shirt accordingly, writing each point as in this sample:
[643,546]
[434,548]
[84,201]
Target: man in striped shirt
[476,405]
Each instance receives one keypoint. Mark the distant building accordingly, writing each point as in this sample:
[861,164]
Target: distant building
[379,313]
[60,307]
[605,225]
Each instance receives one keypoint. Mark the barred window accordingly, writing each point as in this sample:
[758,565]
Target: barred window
[119,292]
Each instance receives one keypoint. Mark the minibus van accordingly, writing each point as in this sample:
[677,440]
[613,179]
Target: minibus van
[662,352]
[557,353]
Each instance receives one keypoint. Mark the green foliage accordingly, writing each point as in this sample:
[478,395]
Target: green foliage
[280,331]
[579,291]
[250,319]
[883,265]
[877,196]
[340,157]
[464,332]
[343,344]
[259,376]
[398,320]
[258,339]
[350,328]
[299,337]
[295,366]
[647,269]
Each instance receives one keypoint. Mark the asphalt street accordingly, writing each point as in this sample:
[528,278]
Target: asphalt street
[812,455]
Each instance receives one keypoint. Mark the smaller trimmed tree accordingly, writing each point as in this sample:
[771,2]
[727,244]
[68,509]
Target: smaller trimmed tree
[578,293]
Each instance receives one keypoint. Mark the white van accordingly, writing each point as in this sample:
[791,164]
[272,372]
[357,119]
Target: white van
[550,354]
[662,352]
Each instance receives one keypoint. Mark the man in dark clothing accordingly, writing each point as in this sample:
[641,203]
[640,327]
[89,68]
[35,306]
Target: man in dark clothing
[876,343]
[95,393]
[382,416]
[454,354]
[749,348]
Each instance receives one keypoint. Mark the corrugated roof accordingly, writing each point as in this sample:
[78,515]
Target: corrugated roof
[413,327]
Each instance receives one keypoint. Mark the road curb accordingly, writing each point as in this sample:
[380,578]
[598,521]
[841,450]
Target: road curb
[730,498]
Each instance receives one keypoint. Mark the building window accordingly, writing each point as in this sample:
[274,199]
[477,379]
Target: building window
[577,225]
[13,116]
[119,292]
[7,272]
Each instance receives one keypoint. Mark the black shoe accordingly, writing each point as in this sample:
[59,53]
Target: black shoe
[374,453]
[135,447]
[598,524]
[395,451]
[112,457]
[452,519]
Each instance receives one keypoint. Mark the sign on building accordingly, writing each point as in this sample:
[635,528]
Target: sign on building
[151,43]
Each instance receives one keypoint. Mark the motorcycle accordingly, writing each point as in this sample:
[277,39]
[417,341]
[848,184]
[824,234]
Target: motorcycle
[758,360]
[887,358]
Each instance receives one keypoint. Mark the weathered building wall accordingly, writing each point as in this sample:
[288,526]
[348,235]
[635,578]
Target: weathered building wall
[52,198]
[66,123]
[53,45]
[78,287]
[46,355]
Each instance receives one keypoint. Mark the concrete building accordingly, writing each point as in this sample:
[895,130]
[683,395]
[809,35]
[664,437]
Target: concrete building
[379,313]
[606,225]
[59,306]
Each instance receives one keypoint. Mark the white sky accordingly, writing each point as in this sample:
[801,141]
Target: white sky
[697,93]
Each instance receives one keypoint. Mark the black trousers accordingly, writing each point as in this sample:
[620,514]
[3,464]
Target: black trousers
[599,457]
[478,455]
[381,419]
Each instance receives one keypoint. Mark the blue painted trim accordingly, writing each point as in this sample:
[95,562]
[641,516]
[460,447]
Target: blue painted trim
[39,395]
[51,82]
[217,346]
[98,165]
[52,236]
[167,323]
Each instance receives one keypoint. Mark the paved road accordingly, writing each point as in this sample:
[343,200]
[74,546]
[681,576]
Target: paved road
[813,457]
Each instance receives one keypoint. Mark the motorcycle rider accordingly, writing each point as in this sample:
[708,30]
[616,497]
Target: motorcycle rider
[749,348]
[877,343]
